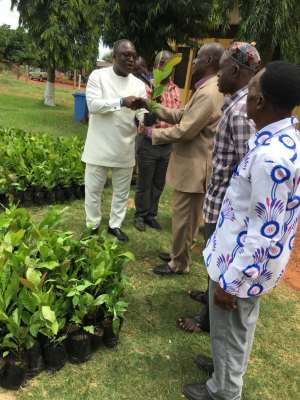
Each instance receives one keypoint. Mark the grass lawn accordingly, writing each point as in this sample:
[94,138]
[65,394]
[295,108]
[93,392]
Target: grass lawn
[21,106]
[154,358]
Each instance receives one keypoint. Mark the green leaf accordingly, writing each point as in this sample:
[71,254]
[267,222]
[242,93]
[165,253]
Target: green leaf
[28,300]
[3,316]
[75,300]
[161,74]
[54,327]
[34,329]
[128,255]
[34,276]
[48,314]
[71,293]
[12,289]
[103,298]
[51,265]
[16,317]
[158,91]
[16,237]
[84,286]
[172,61]
[90,329]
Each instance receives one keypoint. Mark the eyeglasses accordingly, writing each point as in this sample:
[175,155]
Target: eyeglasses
[129,55]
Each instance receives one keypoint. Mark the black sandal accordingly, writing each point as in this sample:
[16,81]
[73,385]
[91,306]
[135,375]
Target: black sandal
[199,295]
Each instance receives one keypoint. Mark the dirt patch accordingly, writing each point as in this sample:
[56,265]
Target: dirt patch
[292,274]
[58,84]
[7,396]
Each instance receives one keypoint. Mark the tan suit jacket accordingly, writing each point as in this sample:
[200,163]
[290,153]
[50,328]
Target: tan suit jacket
[190,163]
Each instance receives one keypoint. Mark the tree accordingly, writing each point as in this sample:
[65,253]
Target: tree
[274,25]
[152,24]
[17,47]
[67,31]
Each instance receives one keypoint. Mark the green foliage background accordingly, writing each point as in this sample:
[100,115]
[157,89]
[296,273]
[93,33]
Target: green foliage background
[16,46]
[273,24]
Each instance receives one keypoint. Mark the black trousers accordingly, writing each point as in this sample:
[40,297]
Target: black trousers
[152,162]
[203,317]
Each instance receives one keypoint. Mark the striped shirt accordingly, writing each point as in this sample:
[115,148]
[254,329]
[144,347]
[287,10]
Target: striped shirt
[230,146]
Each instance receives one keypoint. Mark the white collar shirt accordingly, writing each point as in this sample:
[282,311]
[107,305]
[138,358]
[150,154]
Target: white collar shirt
[250,248]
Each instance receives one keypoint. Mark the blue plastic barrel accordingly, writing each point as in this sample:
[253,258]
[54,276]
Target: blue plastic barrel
[80,107]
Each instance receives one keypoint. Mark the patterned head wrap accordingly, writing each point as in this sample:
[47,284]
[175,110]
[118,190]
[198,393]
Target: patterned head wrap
[245,55]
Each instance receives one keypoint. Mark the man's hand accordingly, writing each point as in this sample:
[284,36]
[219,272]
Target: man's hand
[129,102]
[224,300]
[133,102]
[140,102]
[142,130]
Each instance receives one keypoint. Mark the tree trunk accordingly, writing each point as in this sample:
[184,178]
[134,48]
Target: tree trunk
[74,79]
[49,90]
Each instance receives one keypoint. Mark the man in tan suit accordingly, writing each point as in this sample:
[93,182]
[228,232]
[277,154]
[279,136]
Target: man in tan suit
[190,162]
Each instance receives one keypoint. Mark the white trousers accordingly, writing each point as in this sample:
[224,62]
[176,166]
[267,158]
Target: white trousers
[95,178]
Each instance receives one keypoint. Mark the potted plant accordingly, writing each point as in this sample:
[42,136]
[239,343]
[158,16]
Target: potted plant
[15,336]
[13,346]
[159,85]
[83,303]
[47,317]
[114,315]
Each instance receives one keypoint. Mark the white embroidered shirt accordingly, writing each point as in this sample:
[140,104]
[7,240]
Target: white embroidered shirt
[250,248]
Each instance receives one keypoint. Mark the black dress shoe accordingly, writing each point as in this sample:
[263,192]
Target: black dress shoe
[165,256]
[165,269]
[121,236]
[205,363]
[196,391]
[88,233]
[139,224]
[153,223]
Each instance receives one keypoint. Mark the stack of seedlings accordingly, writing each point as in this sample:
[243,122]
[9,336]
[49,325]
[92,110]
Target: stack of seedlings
[39,169]
[60,298]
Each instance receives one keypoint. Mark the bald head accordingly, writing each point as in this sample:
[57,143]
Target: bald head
[214,51]
[207,60]
[124,55]
[122,43]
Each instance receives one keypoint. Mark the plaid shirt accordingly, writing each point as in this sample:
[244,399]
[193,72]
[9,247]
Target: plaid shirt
[231,144]
[170,98]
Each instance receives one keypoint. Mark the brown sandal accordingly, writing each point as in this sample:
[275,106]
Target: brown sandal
[190,325]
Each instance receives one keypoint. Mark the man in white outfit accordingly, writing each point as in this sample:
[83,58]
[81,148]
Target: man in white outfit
[111,135]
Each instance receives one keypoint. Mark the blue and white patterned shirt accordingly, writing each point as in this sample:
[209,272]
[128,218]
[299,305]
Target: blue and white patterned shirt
[256,227]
